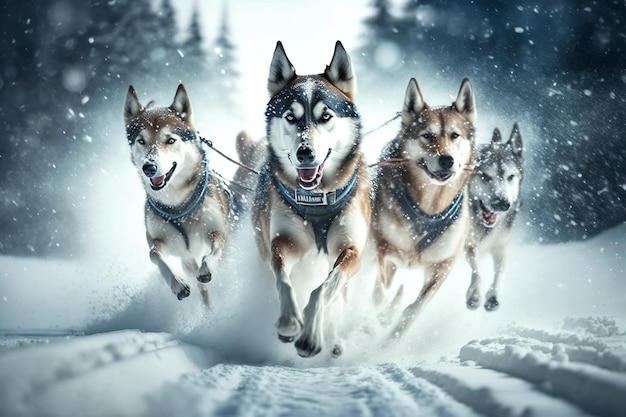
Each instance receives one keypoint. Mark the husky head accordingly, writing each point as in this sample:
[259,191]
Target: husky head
[495,185]
[312,122]
[159,139]
[439,140]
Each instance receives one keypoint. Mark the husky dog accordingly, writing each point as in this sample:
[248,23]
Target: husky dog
[312,203]
[494,195]
[420,215]
[187,207]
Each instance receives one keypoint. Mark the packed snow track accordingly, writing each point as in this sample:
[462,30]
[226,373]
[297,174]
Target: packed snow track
[526,372]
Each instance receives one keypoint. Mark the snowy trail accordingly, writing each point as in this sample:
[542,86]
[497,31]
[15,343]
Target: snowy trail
[524,372]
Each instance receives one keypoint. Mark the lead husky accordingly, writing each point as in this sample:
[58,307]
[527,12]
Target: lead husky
[420,213]
[313,196]
[494,192]
[187,208]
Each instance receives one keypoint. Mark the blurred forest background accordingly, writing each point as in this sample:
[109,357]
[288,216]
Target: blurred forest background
[561,63]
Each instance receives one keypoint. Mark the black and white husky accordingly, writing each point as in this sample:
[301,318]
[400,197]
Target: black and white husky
[187,207]
[495,201]
[312,202]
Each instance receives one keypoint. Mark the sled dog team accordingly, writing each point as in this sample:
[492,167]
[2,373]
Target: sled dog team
[430,198]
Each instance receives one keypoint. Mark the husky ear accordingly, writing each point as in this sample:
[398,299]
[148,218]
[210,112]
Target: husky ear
[413,102]
[496,137]
[340,73]
[282,71]
[132,106]
[465,103]
[515,141]
[182,104]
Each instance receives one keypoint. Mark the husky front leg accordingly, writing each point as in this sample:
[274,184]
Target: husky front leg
[472,297]
[283,257]
[491,298]
[347,264]
[177,284]
[217,242]
[435,276]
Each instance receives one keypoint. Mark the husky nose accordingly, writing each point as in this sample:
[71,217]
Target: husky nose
[446,161]
[500,204]
[149,168]
[305,154]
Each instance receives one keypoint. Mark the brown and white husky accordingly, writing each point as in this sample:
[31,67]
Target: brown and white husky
[187,208]
[420,215]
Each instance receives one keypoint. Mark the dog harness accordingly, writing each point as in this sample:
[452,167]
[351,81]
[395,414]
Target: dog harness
[318,209]
[432,225]
[179,213]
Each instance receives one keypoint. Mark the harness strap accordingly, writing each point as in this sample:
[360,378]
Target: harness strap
[432,225]
[178,213]
[318,209]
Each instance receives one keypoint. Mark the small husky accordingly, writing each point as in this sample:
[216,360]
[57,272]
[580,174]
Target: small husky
[420,214]
[187,207]
[494,195]
[312,203]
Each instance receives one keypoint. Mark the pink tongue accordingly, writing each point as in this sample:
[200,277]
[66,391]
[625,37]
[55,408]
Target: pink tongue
[490,218]
[157,181]
[307,174]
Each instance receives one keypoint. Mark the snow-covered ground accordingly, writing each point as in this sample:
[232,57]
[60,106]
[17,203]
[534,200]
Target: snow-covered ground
[104,337]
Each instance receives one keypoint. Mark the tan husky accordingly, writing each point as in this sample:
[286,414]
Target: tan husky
[312,203]
[187,207]
[420,215]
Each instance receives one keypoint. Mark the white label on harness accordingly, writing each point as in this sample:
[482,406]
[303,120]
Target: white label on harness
[311,199]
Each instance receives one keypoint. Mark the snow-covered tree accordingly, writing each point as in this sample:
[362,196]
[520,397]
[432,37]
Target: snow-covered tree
[224,75]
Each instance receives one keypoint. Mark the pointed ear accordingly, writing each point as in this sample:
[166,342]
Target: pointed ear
[132,106]
[282,71]
[515,141]
[413,102]
[340,73]
[465,103]
[182,104]
[496,137]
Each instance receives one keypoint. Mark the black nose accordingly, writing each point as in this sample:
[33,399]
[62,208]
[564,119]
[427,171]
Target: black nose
[305,154]
[446,161]
[500,204]
[149,168]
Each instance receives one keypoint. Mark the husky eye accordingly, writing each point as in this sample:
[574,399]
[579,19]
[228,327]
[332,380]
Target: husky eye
[290,117]
[429,136]
[141,141]
[326,116]
[170,141]
[454,135]
[485,177]
[510,178]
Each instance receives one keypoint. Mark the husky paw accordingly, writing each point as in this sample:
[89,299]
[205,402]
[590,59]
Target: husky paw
[288,329]
[336,351]
[183,292]
[204,274]
[307,348]
[473,302]
[492,303]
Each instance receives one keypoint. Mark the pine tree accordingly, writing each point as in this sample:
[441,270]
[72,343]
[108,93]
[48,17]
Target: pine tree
[225,76]
[380,32]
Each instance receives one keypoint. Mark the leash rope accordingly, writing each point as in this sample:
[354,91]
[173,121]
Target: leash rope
[210,145]
[398,114]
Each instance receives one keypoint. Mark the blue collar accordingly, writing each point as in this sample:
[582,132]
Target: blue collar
[174,214]
[318,209]
[432,225]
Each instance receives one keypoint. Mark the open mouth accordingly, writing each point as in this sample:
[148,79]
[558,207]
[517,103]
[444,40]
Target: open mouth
[489,217]
[158,183]
[310,178]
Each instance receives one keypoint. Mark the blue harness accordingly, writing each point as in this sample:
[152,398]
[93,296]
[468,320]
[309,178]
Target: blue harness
[179,213]
[318,209]
[432,225]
